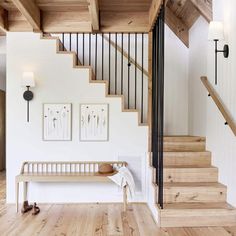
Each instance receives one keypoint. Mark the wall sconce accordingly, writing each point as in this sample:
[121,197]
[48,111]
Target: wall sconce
[216,33]
[28,81]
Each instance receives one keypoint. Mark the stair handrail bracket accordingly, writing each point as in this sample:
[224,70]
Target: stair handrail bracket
[219,103]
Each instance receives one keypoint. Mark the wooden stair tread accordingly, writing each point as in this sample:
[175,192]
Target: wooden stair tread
[189,167]
[166,153]
[180,146]
[194,184]
[198,206]
[184,138]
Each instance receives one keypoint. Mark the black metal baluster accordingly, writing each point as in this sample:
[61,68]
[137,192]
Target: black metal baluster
[102,53]
[122,58]
[158,102]
[116,64]
[83,49]
[162,37]
[70,42]
[63,41]
[142,85]
[128,67]
[96,45]
[154,102]
[90,49]
[109,64]
[135,73]
[77,48]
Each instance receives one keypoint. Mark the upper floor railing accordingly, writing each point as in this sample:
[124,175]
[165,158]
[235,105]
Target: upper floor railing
[119,58]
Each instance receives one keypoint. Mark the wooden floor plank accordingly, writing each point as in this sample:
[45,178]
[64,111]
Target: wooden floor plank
[92,219]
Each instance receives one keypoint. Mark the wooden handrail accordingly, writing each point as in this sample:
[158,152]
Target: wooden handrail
[219,104]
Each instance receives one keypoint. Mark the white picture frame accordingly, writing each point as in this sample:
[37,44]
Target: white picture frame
[57,121]
[94,122]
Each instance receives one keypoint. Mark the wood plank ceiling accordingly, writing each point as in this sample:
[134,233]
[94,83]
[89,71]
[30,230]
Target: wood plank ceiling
[51,16]
[182,14]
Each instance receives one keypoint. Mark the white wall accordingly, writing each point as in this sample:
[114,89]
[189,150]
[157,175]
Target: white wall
[176,85]
[198,47]
[176,74]
[220,139]
[3,63]
[58,82]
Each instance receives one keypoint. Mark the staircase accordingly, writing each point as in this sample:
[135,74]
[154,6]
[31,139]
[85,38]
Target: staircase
[193,197]
[192,194]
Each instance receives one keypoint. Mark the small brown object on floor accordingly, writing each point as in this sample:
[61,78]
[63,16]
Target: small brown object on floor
[26,207]
[36,209]
[105,168]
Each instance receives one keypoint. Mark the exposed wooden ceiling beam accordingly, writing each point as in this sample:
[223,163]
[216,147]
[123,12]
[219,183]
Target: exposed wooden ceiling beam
[123,21]
[153,12]
[204,7]
[3,20]
[70,22]
[94,14]
[30,11]
[177,26]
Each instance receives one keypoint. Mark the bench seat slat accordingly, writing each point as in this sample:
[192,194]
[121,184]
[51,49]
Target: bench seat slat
[64,177]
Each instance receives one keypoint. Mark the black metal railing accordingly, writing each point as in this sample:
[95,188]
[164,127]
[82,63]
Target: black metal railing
[118,58]
[158,102]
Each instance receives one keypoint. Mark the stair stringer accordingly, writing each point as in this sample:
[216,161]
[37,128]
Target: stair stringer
[59,47]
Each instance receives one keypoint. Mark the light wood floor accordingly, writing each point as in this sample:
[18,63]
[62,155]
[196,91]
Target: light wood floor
[89,220]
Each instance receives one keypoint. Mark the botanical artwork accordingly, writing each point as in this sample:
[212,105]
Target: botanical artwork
[57,122]
[94,122]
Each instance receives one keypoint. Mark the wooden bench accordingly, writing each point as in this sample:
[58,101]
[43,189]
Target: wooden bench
[63,172]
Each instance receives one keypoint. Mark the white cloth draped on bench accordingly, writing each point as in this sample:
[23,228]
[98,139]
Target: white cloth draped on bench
[124,178]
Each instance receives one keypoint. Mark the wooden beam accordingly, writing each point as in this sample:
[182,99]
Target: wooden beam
[30,11]
[94,14]
[177,26]
[153,12]
[17,22]
[3,20]
[118,21]
[68,22]
[204,7]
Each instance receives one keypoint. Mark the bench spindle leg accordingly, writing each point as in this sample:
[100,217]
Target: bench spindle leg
[17,196]
[25,186]
[125,197]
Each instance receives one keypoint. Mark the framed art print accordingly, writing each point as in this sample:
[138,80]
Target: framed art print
[94,122]
[57,122]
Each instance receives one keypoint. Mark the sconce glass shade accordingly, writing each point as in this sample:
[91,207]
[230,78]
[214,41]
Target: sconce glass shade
[216,30]
[28,79]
